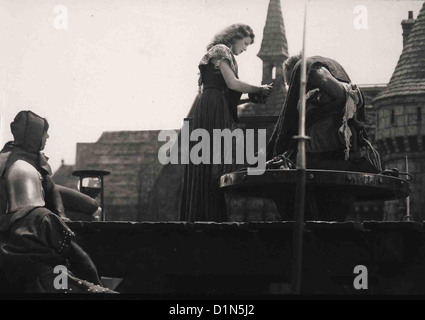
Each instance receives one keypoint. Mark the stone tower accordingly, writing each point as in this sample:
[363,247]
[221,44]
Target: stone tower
[400,117]
[273,52]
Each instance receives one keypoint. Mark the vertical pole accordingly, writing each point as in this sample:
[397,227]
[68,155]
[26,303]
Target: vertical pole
[301,169]
[408,217]
[103,217]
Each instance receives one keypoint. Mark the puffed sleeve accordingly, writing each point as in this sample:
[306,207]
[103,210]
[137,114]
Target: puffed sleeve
[217,54]
[56,234]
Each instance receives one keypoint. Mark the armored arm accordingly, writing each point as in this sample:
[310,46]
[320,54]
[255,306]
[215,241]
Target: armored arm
[53,197]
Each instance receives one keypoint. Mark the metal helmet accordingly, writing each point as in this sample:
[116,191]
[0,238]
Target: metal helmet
[24,188]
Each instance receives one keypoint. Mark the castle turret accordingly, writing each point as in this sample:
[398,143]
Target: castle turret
[273,52]
[400,111]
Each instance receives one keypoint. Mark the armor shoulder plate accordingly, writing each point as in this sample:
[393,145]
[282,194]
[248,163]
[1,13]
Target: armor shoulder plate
[24,187]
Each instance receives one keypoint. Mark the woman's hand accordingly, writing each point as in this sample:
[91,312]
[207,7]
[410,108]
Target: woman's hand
[235,84]
[265,89]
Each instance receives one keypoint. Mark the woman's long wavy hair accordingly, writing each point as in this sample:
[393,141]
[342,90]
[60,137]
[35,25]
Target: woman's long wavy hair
[230,34]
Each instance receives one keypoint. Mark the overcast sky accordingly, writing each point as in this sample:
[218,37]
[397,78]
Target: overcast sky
[132,64]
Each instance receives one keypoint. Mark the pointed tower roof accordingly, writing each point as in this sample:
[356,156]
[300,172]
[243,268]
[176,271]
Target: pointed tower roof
[274,45]
[409,75]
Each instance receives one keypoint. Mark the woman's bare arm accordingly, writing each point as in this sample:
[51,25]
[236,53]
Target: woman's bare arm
[238,85]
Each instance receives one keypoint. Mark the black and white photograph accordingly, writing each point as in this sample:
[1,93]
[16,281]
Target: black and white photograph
[214,155]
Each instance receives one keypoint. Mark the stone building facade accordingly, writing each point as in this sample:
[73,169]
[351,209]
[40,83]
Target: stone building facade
[400,108]
[132,159]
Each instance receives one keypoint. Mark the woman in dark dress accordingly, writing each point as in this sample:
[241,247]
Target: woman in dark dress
[216,108]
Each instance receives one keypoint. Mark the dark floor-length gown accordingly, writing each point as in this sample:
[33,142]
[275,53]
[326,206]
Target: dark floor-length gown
[216,108]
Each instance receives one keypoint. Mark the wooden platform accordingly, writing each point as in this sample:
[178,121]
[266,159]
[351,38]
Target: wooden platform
[255,258]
